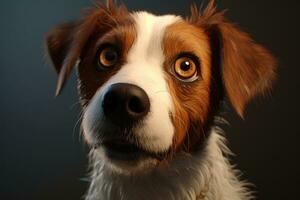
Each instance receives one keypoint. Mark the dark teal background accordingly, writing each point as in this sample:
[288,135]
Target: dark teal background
[41,154]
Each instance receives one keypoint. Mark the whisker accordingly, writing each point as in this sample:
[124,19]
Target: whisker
[77,122]
[74,104]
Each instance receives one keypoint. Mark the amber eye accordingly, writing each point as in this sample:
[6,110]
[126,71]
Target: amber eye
[108,57]
[185,68]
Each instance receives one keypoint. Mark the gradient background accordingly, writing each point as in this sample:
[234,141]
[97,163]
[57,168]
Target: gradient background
[41,154]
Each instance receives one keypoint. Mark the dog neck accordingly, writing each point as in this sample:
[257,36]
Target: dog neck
[206,174]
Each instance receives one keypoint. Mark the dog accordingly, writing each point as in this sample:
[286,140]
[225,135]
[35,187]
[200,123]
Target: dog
[151,88]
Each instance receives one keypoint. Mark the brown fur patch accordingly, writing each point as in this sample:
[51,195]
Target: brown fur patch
[227,55]
[191,100]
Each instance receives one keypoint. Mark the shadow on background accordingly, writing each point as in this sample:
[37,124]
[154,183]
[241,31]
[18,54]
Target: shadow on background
[41,153]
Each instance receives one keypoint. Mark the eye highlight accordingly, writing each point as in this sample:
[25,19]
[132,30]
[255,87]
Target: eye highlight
[186,68]
[107,57]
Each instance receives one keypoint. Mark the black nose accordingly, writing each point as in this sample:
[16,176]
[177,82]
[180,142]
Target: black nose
[125,104]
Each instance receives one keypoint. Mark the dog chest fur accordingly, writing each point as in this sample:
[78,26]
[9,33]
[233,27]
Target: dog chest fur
[203,175]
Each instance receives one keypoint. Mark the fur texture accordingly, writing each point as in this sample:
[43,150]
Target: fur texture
[205,174]
[180,125]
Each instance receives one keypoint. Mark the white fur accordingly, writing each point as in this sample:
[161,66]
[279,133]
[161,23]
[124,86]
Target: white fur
[144,68]
[206,172]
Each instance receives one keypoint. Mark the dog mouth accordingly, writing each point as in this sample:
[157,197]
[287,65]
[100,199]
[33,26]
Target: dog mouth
[123,150]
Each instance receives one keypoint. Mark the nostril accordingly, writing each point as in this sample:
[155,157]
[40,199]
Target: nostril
[136,105]
[110,101]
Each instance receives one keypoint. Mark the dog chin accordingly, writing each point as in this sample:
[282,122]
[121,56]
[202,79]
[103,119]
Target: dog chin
[125,164]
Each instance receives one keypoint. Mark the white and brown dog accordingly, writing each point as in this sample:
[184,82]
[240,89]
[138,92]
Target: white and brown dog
[151,88]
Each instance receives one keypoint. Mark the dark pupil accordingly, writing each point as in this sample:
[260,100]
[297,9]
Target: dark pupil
[110,55]
[185,66]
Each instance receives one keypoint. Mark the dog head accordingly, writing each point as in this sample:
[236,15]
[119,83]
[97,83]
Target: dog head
[150,85]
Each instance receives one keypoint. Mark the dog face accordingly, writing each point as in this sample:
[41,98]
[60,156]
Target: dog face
[151,85]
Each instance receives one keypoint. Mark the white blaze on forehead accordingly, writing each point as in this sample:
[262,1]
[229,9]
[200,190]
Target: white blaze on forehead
[150,33]
[144,68]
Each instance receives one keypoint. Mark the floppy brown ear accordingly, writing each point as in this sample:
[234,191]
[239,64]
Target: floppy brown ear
[64,44]
[248,68]
[58,42]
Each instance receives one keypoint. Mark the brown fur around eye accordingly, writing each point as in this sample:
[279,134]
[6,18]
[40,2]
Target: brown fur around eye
[91,79]
[191,100]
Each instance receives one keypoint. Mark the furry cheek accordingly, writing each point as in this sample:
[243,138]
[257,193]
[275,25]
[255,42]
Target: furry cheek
[191,107]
